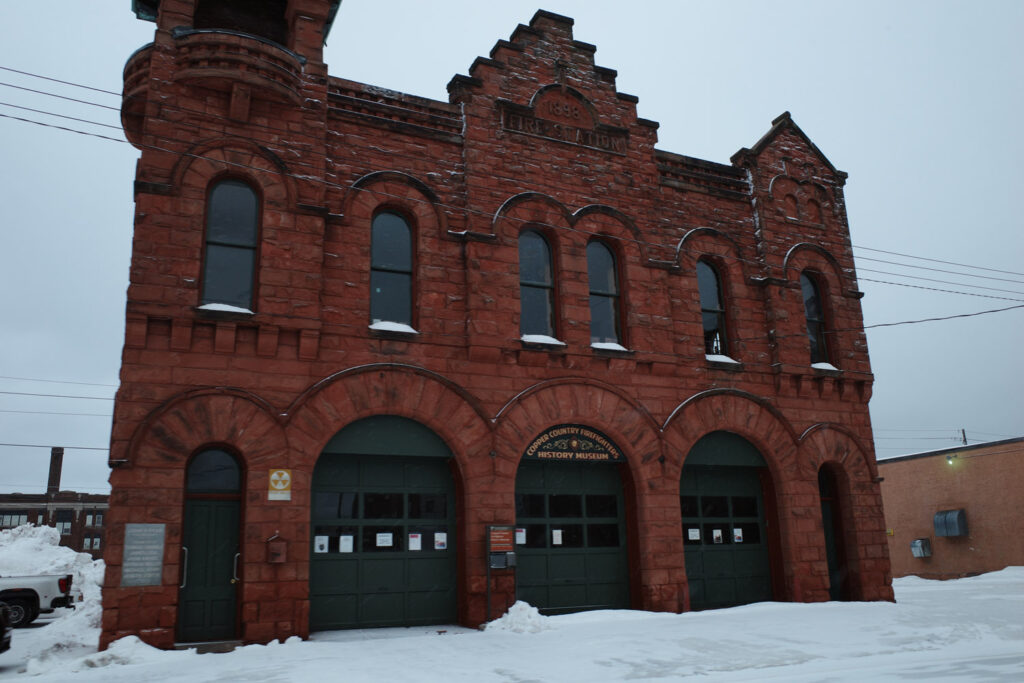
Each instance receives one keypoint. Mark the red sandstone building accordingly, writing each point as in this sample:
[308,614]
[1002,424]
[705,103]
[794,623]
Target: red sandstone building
[956,511]
[364,327]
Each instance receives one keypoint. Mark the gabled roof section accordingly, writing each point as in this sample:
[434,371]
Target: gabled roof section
[783,122]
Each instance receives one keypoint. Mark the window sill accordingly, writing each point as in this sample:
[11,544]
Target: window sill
[392,330]
[224,312]
[826,370]
[611,349]
[541,342]
[720,362]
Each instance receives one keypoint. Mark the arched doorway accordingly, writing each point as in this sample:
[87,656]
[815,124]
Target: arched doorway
[571,523]
[383,547]
[832,524]
[723,503]
[210,554]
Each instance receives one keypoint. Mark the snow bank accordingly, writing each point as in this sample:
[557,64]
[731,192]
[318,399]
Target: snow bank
[30,550]
[521,617]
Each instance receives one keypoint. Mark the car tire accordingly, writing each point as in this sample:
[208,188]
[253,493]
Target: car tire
[21,613]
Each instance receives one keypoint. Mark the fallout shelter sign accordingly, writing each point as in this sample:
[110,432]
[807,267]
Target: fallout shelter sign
[573,443]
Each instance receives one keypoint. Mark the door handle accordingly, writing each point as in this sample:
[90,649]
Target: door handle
[184,568]
[234,569]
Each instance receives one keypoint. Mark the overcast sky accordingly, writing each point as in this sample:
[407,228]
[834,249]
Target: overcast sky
[920,102]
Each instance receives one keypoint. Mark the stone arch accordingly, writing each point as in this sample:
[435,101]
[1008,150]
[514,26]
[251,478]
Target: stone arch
[208,159]
[530,208]
[395,190]
[827,442]
[573,94]
[806,255]
[731,410]
[392,389]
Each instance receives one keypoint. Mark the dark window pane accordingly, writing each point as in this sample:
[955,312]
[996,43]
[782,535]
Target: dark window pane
[602,535]
[717,534]
[714,506]
[213,471]
[749,533]
[390,296]
[812,302]
[565,505]
[571,536]
[744,506]
[428,505]
[602,506]
[534,260]
[536,536]
[689,507]
[714,333]
[391,243]
[601,270]
[530,505]
[536,318]
[227,275]
[383,539]
[604,319]
[325,504]
[707,283]
[232,214]
[382,505]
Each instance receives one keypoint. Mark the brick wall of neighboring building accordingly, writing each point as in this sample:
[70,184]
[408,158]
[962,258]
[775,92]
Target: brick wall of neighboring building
[535,136]
[985,481]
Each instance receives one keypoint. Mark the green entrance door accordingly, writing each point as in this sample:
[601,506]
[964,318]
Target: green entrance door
[207,596]
[383,546]
[574,557]
[724,530]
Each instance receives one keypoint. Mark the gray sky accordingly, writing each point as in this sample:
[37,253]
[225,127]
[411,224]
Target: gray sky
[918,101]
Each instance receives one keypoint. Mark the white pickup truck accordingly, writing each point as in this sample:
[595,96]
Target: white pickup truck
[29,596]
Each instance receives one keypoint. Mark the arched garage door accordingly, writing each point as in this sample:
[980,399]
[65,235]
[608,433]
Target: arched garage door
[725,533]
[570,520]
[383,526]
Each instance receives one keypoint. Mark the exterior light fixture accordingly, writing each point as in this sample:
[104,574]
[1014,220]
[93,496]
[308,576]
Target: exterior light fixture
[949,459]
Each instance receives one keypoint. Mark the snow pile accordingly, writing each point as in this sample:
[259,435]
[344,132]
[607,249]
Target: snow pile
[30,550]
[521,617]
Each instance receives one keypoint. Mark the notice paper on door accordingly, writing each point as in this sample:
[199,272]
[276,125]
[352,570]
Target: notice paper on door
[415,541]
[556,537]
[319,544]
[345,544]
[716,535]
[737,535]
[440,540]
[693,534]
[385,540]
[520,536]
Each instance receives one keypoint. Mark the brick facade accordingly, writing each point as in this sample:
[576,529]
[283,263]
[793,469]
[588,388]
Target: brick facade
[536,135]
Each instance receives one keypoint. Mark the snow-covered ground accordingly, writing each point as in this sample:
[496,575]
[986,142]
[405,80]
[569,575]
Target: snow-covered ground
[965,630]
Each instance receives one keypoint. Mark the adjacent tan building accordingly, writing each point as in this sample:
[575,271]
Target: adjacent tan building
[978,488]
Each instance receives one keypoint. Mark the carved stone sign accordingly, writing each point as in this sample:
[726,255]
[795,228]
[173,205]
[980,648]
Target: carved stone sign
[565,117]
[573,443]
[143,560]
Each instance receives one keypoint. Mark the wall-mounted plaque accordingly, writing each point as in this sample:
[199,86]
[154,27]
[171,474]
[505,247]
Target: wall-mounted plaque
[143,560]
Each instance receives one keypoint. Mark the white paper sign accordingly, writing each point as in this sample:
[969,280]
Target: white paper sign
[385,540]
[415,541]
[440,540]
[319,544]
[345,544]
[693,534]
[556,537]
[520,536]
[737,535]
[716,535]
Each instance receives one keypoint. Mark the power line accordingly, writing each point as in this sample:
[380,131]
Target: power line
[43,412]
[938,270]
[73,448]
[933,260]
[935,289]
[57,80]
[58,381]
[62,116]
[60,97]
[945,282]
[23,393]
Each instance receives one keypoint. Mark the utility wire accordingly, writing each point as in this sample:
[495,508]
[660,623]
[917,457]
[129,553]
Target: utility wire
[58,381]
[22,393]
[43,412]
[73,448]
[933,260]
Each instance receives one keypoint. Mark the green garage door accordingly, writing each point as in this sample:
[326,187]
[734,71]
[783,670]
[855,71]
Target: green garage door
[574,557]
[724,532]
[383,527]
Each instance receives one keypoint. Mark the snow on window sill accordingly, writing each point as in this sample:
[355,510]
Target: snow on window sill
[719,358]
[608,346]
[388,326]
[541,339]
[824,366]
[225,308]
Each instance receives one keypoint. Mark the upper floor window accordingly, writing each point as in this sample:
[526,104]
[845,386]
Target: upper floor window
[13,518]
[815,315]
[64,520]
[229,267]
[265,18]
[536,287]
[604,295]
[391,272]
[712,310]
